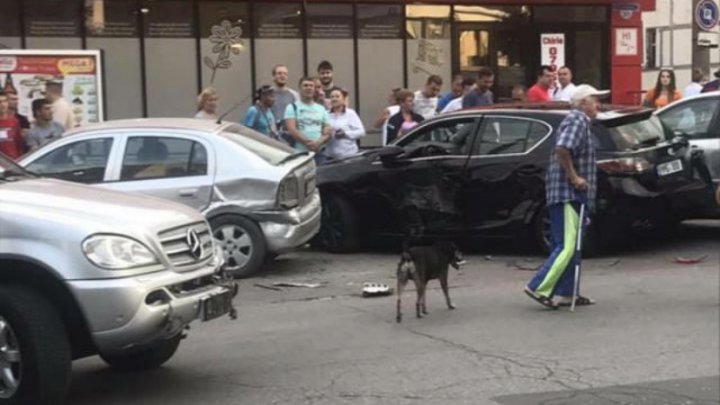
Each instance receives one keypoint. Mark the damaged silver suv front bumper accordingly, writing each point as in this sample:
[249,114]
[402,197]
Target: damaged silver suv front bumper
[137,311]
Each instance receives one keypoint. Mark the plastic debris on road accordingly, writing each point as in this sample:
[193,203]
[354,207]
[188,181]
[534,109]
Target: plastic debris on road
[376,290]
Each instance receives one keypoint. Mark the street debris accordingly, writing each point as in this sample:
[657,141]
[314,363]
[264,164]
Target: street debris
[689,260]
[301,285]
[489,258]
[268,287]
[376,290]
[526,265]
[614,263]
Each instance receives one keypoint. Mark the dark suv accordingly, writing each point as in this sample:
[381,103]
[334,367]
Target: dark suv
[481,173]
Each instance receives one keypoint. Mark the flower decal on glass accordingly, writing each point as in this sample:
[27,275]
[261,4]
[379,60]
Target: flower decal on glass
[226,41]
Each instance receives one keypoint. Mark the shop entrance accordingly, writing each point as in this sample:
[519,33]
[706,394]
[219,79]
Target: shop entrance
[508,51]
[512,51]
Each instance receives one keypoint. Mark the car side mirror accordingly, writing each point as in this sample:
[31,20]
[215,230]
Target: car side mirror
[390,153]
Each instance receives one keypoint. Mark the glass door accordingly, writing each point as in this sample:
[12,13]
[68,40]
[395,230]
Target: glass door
[504,50]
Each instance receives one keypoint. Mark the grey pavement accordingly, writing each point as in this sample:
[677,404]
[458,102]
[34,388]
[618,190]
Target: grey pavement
[653,337]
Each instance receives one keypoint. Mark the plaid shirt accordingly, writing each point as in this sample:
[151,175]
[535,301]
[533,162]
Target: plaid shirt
[574,135]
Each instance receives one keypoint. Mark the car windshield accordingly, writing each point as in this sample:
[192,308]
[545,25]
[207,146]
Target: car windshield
[268,149]
[633,135]
[8,169]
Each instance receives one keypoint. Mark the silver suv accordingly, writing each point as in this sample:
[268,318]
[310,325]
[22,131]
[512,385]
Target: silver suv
[257,194]
[86,271]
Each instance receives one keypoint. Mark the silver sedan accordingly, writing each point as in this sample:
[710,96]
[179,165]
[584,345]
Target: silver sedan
[257,194]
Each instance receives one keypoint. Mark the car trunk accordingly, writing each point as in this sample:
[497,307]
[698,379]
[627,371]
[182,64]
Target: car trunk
[635,147]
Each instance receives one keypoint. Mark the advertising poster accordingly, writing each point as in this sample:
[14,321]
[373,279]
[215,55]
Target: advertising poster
[27,72]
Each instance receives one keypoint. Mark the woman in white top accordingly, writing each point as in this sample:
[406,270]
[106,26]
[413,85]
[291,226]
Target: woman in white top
[207,103]
[346,126]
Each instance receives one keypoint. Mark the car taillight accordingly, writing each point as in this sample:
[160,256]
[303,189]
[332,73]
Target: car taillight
[288,192]
[624,165]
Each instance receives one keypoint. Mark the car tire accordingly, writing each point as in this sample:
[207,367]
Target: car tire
[591,245]
[242,242]
[339,231]
[32,332]
[147,358]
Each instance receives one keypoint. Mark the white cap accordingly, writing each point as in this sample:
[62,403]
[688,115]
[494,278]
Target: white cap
[585,90]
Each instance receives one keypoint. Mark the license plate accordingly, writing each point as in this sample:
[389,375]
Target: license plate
[674,166]
[216,305]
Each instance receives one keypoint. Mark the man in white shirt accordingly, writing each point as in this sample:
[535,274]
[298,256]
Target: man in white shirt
[426,100]
[696,86]
[565,88]
[61,110]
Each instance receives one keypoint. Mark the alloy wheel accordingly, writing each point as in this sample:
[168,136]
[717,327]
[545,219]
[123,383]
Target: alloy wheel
[236,245]
[10,361]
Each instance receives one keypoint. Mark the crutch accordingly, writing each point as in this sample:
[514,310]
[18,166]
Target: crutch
[578,256]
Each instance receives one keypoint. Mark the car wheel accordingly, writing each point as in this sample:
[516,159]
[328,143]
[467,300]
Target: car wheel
[242,242]
[541,232]
[147,358]
[338,228]
[35,359]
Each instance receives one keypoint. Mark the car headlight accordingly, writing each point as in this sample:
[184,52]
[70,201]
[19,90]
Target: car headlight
[117,252]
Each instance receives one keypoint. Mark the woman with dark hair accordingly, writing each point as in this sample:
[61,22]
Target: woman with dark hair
[405,120]
[346,126]
[665,91]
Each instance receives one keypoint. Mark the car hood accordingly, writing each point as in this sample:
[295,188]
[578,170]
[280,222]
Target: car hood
[91,205]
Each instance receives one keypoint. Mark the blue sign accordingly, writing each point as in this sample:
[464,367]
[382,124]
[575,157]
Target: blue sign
[706,14]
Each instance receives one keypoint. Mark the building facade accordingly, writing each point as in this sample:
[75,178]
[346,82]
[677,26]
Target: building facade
[158,54]
[669,42]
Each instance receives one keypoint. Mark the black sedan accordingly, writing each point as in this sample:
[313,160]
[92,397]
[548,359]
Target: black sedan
[481,173]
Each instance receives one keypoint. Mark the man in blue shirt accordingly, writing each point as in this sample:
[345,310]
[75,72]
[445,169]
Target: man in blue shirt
[308,122]
[456,91]
[260,116]
[481,95]
[570,182]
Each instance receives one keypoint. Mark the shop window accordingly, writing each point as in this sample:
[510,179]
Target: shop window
[10,27]
[428,46]
[278,40]
[380,32]
[225,53]
[651,48]
[112,26]
[576,14]
[52,24]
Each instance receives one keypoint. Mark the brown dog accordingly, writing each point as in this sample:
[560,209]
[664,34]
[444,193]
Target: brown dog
[422,264]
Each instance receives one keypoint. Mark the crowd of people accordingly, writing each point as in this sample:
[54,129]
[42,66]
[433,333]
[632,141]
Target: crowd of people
[318,116]
[52,116]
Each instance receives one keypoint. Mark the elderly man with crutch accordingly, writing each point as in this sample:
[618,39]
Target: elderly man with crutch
[570,193]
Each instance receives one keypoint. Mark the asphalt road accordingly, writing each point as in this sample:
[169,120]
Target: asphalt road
[653,337]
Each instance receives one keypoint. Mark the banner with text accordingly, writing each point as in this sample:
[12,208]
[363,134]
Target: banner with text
[552,50]
[26,72]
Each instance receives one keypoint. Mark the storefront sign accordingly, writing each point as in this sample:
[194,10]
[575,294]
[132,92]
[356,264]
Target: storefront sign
[380,22]
[626,42]
[283,20]
[552,50]
[111,18]
[326,21]
[626,10]
[26,72]
[706,14]
[56,19]
[172,19]
[329,29]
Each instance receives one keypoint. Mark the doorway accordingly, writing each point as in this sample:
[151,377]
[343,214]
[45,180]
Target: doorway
[506,50]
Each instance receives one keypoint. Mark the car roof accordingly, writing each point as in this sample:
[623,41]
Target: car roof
[193,124]
[710,94]
[610,111]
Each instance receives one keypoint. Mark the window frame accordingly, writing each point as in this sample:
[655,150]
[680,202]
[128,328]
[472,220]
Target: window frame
[66,142]
[165,135]
[406,140]
[714,120]
[537,144]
